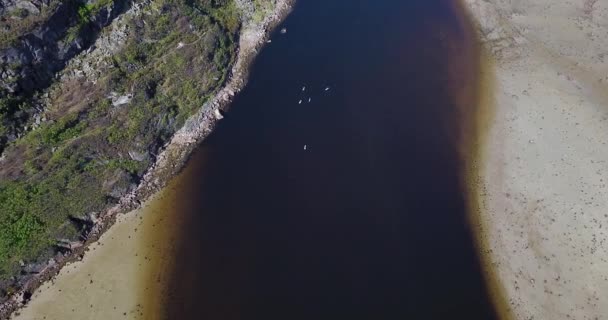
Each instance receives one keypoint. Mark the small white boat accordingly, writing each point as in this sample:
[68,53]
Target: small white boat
[300,102]
[326,88]
[309,100]
[304,147]
[303,88]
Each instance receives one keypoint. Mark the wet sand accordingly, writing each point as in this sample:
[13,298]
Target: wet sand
[544,159]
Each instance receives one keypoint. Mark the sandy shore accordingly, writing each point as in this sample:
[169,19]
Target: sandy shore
[544,162]
[120,277]
[70,283]
[125,274]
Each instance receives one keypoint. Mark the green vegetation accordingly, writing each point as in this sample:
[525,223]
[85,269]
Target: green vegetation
[30,221]
[21,225]
[68,127]
[85,12]
[262,8]
[91,152]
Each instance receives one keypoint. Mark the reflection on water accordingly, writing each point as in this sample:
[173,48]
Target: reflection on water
[349,202]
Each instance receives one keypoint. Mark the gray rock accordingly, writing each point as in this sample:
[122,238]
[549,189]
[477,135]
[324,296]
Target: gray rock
[118,101]
[32,7]
[34,267]
[44,51]
[138,156]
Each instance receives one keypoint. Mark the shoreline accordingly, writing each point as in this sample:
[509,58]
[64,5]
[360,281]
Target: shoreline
[474,132]
[472,143]
[173,156]
[478,225]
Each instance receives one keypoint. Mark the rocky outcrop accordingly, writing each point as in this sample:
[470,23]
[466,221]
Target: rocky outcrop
[31,6]
[29,62]
[32,62]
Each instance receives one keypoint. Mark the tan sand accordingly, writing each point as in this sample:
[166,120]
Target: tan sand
[544,164]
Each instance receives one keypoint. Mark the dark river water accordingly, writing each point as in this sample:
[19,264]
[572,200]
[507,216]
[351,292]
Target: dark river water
[351,205]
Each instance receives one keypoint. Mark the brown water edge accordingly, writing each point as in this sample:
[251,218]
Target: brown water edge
[476,98]
[161,236]
[475,133]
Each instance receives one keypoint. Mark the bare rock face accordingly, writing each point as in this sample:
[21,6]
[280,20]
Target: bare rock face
[35,49]
[31,63]
[31,6]
[34,268]
[139,156]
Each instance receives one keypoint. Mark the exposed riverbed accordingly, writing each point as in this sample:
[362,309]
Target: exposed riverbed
[543,168]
